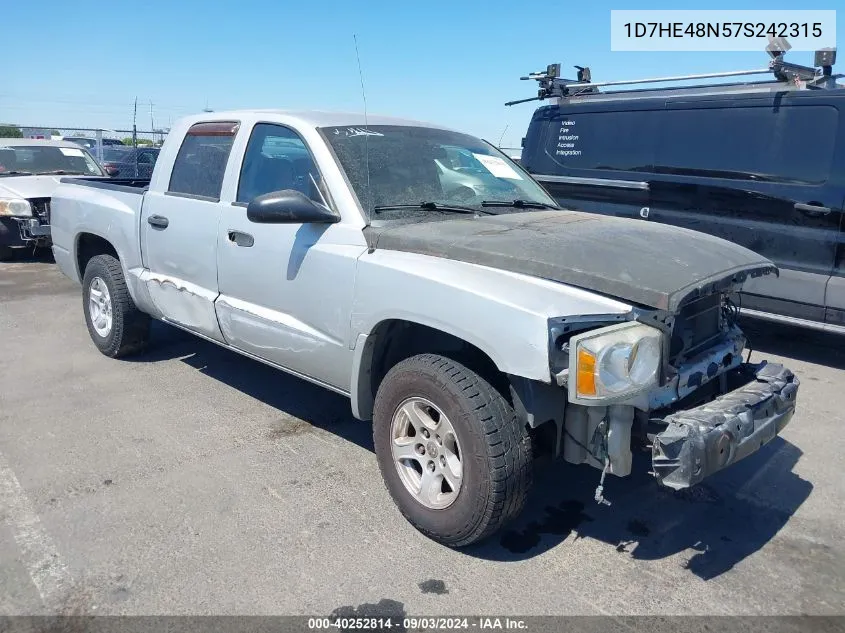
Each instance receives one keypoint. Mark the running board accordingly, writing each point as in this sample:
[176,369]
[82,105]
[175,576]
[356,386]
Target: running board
[788,320]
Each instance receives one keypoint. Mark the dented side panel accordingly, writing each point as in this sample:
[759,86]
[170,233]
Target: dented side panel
[181,260]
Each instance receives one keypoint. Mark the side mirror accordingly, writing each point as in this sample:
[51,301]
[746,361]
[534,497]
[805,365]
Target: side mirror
[288,207]
[110,170]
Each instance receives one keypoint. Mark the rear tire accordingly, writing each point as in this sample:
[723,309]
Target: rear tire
[116,326]
[491,449]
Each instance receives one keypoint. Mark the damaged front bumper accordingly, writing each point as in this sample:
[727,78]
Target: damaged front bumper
[33,230]
[701,441]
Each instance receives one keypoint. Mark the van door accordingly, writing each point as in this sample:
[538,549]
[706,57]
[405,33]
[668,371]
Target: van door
[591,159]
[757,173]
[179,230]
[835,294]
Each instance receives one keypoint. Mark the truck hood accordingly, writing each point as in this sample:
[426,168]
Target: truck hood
[28,186]
[654,265]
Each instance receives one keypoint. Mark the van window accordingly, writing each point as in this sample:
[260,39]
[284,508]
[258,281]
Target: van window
[794,143]
[201,161]
[602,140]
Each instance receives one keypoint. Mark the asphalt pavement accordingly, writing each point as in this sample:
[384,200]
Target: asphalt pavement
[192,480]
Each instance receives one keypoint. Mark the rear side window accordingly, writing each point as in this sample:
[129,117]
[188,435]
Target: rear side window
[618,141]
[201,162]
[792,143]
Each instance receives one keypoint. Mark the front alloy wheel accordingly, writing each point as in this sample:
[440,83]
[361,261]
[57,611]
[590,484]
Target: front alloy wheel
[426,453]
[454,456]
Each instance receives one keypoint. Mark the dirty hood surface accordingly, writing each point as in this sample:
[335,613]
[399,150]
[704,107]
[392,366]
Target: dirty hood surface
[654,265]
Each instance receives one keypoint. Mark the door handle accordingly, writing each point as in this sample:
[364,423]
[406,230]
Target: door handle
[241,239]
[158,221]
[812,209]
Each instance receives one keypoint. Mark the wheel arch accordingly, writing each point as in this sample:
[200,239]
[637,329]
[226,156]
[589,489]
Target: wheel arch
[89,245]
[393,340]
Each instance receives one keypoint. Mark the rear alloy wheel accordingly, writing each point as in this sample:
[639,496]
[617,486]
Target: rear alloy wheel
[100,307]
[454,456]
[117,327]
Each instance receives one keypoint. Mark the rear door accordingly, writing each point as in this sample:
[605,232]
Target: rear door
[179,229]
[758,173]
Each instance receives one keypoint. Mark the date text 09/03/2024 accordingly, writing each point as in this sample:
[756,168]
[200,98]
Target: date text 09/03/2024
[417,623]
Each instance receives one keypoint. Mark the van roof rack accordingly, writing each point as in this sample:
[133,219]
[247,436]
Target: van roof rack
[786,75]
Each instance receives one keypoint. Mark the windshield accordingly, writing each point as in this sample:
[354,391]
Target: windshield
[425,170]
[46,159]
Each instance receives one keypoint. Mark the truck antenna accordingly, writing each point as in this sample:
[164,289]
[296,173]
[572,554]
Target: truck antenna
[366,121]
[502,136]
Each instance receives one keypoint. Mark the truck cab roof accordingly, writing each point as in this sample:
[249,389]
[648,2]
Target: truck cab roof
[307,118]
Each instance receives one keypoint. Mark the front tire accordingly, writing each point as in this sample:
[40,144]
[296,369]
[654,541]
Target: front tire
[453,454]
[116,326]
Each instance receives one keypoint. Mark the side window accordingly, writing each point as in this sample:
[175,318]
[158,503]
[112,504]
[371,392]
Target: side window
[617,141]
[201,161]
[790,143]
[277,158]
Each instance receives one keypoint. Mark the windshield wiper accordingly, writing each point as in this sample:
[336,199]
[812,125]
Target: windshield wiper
[15,173]
[519,204]
[61,172]
[430,206]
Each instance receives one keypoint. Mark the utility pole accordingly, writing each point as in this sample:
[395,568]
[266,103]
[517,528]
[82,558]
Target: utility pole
[135,134]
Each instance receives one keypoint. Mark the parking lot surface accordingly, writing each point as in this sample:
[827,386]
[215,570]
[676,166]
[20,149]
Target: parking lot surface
[191,481]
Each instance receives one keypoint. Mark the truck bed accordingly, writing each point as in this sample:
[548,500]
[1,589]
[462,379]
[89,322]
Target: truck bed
[97,208]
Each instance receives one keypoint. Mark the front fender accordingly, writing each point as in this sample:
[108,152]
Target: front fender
[503,314]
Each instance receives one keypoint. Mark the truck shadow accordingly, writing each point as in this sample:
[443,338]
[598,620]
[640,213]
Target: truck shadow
[723,521]
[298,398]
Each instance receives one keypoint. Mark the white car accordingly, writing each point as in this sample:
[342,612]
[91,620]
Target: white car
[30,170]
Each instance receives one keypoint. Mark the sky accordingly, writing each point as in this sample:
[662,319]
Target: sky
[83,63]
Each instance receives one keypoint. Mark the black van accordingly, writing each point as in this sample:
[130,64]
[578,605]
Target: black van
[760,164]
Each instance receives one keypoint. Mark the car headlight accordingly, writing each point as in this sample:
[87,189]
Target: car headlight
[15,207]
[614,363]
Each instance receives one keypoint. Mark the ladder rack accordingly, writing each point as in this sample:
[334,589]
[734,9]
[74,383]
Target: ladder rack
[790,76]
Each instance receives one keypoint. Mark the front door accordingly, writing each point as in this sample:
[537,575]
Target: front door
[179,230]
[286,289]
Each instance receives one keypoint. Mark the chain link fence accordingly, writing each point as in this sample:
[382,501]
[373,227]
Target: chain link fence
[122,153]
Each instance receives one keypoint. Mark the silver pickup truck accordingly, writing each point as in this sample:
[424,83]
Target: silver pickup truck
[422,273]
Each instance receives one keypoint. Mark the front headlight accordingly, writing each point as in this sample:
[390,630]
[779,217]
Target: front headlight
[614,363]
[15,207]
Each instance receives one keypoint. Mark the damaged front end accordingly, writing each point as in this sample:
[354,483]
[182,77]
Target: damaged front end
[699,408]
[700,441]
